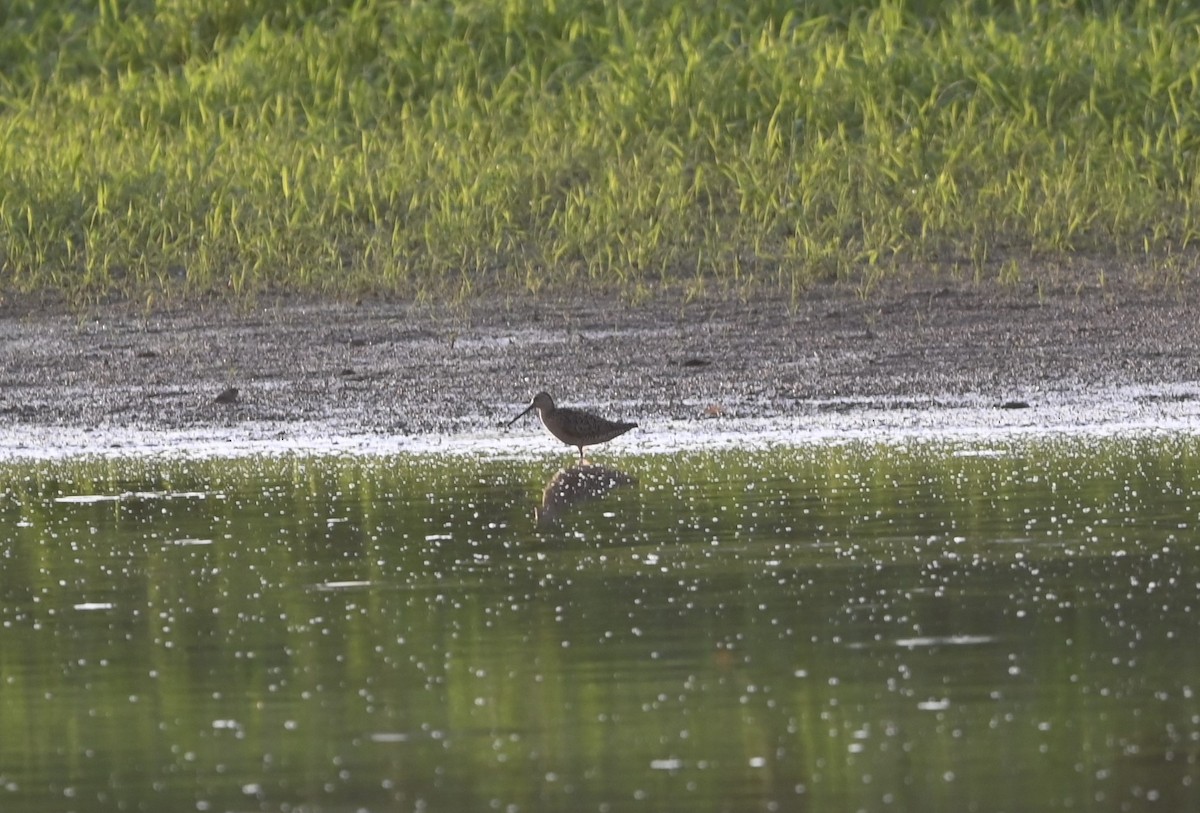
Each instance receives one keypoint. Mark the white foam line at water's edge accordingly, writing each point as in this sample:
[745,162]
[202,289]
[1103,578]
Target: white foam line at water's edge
[1123,412]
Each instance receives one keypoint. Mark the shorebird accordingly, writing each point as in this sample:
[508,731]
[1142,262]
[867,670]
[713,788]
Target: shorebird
[574,427]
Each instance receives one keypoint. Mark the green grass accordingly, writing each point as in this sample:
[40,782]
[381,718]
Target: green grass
[456,149]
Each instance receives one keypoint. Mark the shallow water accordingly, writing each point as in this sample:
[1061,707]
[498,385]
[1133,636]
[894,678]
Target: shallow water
[1001,626]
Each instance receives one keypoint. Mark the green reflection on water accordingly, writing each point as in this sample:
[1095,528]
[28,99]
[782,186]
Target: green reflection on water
[871,627]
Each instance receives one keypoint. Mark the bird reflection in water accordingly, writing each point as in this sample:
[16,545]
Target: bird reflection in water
[575,485]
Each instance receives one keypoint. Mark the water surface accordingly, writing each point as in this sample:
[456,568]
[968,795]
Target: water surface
[1003,626]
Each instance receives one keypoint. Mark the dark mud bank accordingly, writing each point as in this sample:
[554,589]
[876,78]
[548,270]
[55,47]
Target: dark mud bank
[394,369]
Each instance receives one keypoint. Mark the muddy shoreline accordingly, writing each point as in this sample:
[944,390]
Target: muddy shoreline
[391,368]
